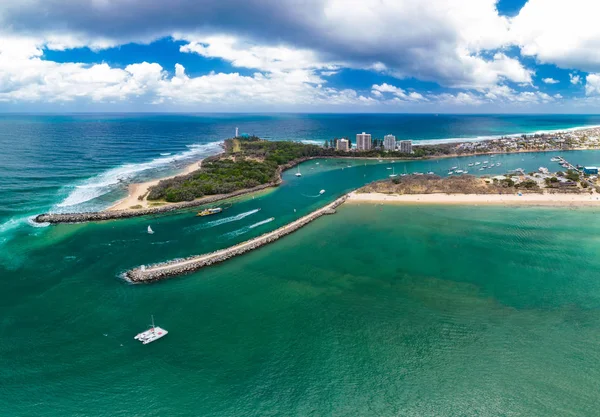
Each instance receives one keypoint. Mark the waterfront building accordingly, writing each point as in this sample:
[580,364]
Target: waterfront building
[405,146]
[590,170]
[342,145]
[389,142]
[363,141]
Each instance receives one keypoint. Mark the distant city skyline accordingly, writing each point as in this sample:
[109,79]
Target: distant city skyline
[463,56]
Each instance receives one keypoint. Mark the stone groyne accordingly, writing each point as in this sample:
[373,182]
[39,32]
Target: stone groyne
[164,270]
[125,214]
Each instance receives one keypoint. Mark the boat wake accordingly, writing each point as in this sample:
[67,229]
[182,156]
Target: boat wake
[110,180]
[246,229]
[228,219]
[269,220]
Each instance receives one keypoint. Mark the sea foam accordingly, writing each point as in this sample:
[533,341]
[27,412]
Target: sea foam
[108,181]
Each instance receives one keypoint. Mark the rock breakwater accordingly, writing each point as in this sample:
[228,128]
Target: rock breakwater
[182,266]
[56,218]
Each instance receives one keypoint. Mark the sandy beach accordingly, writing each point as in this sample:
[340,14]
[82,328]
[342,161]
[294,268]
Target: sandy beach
[479,199]
[141,189]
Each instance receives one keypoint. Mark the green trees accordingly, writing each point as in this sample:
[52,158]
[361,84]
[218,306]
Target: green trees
[572,175]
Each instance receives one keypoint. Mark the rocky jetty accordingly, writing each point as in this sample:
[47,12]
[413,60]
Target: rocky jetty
[125,214]
[163,270]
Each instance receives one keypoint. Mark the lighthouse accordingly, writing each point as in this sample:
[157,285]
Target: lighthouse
[237,133]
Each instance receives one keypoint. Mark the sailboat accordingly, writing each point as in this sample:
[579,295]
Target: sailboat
[298,174]
[154,333]
[150,231]
[393,174]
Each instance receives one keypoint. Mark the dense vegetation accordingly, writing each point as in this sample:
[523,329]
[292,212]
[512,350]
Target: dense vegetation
[251,161]
[429,184]
[216,177]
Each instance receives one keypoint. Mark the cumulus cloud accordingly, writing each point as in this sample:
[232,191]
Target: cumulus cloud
[592,84]
[559,32]
[294,47]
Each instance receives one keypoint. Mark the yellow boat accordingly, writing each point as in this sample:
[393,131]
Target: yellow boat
[210,211]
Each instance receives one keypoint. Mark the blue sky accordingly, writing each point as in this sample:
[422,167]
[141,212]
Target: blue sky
[463,56]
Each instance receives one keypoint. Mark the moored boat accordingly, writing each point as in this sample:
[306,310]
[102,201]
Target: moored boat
[152,334]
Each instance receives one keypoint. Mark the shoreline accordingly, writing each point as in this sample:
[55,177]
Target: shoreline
[139,189]
[540,199]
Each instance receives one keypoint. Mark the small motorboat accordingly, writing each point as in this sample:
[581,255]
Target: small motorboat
[322,192]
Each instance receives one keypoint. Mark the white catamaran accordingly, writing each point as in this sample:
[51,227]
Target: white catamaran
[152,334]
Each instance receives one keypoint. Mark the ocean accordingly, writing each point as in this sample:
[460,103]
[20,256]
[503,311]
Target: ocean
[378,310]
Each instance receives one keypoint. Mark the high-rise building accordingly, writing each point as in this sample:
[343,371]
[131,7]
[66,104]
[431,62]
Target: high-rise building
[237,132]
[342,145]
[389,142]
[406,146]
[363,141]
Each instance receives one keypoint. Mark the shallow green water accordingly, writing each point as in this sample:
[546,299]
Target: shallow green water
[374,311]
[378,310]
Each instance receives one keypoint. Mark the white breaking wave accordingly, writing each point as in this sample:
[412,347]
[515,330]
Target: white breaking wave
[229,219]
[107,181]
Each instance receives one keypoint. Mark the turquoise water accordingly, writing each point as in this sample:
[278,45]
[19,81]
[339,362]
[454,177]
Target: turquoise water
[378,310]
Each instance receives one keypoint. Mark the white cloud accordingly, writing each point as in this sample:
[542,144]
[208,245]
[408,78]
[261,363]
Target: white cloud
[550,81]
[575,79]
[559,32]
[378,90]
[592,84]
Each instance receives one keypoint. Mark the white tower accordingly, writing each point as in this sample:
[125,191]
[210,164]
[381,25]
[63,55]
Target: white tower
[237,132]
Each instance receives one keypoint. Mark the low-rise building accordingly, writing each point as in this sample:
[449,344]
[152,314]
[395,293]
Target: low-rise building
[590,170]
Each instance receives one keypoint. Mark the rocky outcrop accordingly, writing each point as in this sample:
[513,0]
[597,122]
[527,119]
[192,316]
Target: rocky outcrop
[182,266]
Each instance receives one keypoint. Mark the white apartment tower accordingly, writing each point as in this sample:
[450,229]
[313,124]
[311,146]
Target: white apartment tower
[363,141]
[389,142]
[342,145]
[405,146]
[237,132]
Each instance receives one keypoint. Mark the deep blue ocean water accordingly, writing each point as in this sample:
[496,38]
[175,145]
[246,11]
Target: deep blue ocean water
[83,162]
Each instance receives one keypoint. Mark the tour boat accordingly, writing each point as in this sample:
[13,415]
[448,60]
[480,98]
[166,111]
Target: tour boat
[152,334]
[209,211]
[150,231]
[298,174]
